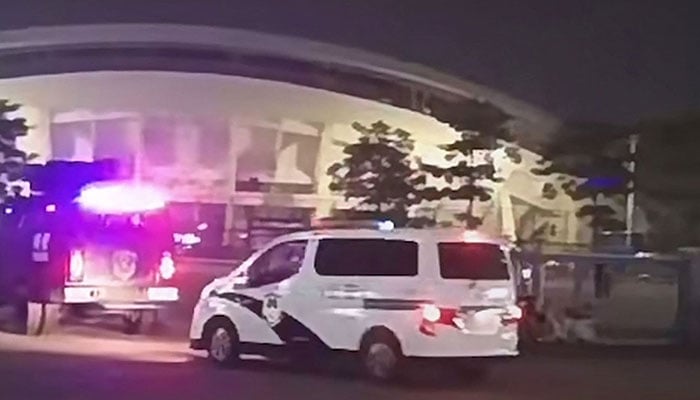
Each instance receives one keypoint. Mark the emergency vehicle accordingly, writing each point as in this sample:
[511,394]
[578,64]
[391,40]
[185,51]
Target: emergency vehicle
[383,294]
[85,243]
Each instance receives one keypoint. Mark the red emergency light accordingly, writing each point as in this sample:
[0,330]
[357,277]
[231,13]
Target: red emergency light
[166,268]
[76,266]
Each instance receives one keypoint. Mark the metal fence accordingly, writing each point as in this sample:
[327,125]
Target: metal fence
[612,297]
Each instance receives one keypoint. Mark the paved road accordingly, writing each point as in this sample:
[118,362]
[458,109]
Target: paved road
[90,363]
[97,362]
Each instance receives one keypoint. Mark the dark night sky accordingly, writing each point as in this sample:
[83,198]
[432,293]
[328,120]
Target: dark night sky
[606,60]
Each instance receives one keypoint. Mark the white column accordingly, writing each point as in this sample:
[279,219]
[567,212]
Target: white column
[134,130]
[507,214]
[328,154]
[186,144]
[577,228]
[236,133]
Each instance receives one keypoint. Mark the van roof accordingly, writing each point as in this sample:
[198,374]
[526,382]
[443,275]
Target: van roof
[437,234]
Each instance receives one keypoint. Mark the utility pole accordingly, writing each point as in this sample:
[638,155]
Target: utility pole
[631,166]
[595,222]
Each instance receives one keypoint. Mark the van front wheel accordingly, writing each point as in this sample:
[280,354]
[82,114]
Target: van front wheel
[222,342]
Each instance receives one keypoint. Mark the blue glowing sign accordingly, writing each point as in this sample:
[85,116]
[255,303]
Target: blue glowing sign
[605,182]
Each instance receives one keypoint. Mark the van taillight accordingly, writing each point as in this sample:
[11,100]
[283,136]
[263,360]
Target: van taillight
[167,266]
[76,266]
[433,315]
[511,314]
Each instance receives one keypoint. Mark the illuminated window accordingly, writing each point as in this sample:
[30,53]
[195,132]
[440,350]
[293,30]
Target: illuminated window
[214,142]
[297,156]
[67,137]
[279,155]
[158,140]
[259,159]
[112,139]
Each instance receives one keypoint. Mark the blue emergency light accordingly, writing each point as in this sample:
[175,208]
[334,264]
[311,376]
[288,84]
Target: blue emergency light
[604,182]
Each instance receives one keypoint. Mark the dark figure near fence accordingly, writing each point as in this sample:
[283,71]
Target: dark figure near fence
[601,281]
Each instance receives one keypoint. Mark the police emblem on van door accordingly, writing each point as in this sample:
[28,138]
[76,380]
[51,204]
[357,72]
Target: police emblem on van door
[124,264]
[270,310]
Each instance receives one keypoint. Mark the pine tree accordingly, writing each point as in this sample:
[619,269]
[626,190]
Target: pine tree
[12,159]
[378,172]
[588,161]
[465,178]
[483,127]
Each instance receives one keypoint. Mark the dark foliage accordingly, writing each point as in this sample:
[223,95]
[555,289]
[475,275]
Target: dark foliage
[378,172]
[12,159]
[482,126]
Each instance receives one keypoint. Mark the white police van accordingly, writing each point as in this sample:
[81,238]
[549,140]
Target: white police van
[385,295]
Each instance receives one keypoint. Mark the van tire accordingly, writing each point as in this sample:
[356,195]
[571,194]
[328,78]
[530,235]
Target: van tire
[42,318]
[36,318]
[150,322]
[133,322]
[223,345]
[381,356]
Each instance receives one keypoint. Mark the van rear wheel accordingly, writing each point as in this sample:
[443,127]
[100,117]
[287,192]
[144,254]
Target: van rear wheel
[133,322]
[381,356]
[41,318]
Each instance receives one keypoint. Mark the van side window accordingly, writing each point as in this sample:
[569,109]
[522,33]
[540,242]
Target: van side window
[460,260]
[366,257]
[277,264]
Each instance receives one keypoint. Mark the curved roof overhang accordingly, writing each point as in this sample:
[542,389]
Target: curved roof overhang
[185,48]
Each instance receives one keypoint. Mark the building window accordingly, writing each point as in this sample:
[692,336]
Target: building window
[257,225]
[159,140]
[113,139]
[70,139]
[277,160]
[90,138]
[211,222]
[259,160]
[206,220]
[214,142]
[297,156]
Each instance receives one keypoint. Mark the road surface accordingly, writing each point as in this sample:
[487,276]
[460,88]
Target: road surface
[95,361]
[91,363]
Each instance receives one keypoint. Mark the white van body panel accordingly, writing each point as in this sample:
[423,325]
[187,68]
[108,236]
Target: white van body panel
[335,312]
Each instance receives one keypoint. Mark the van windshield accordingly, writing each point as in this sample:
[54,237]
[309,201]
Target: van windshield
[472,261]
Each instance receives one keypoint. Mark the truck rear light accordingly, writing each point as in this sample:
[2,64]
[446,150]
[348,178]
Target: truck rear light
[76,266]
[166,269]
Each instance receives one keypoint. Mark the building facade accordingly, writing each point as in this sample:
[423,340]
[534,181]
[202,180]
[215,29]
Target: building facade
[226,146]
